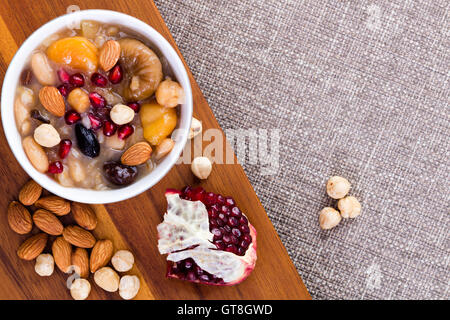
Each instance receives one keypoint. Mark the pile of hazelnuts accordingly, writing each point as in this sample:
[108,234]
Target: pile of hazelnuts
[349,206]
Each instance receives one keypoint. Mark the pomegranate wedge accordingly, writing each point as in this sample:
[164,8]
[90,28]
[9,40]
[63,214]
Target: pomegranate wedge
[207,238]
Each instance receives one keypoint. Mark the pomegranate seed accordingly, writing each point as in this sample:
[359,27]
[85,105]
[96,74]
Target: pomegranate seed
[244,244]
[109,128]
[247,238]
[55,167]
[76,80]
[236,232]
[96,122]
[231,248]
[186,191]
[226,239]
[223,217]
[63,75]
[197,194]
[64,89]
[97,100]
[220,199]
[99,80]
[125,131]
[212,213]
[188,264]
[226,229]
[72,117]
[236,212]
[233,222]
[217,233]
[244,228]
[116,74]
[64,147]
[229,201]
[234,239]
[224,209]
[135,106]
[198,270]
[210,198]
[243,220]
[219,244]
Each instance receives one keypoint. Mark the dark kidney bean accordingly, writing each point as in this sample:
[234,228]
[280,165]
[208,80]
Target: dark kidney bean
[120,174]
[87,141]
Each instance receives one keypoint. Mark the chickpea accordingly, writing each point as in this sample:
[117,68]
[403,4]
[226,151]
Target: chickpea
[338,187]
[329,218]
[201,167]
[349,207]
[169,94]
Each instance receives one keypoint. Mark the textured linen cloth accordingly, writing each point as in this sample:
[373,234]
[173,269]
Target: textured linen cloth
[358,89]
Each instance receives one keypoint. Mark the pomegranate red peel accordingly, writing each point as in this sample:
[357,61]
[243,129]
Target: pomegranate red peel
[194,252]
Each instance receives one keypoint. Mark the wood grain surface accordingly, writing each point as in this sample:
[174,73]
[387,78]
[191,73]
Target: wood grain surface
[132,224]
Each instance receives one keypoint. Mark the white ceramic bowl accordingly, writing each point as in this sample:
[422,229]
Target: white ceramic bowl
[12,79]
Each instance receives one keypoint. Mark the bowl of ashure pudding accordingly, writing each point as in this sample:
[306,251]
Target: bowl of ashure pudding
[96,106]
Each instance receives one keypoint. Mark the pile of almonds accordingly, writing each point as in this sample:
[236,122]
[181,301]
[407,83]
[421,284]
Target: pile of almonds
[349,206]
[70,243]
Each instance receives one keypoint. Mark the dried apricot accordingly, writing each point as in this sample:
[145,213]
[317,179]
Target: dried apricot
[158,122]
[76,52]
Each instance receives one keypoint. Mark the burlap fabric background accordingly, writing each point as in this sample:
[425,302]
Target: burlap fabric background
[359,89]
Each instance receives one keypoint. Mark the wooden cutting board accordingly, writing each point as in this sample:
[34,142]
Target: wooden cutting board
[132,224]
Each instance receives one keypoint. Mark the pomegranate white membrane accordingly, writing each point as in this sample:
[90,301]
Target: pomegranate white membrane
[207,238]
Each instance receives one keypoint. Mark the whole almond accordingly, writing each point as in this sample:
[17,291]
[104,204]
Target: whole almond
[136,154]
[19,218]
[101,254]
[80,259]
[32,247]
[30,193]
[62,253]
[35,154]
[79,237]
[109,55]
[55,204]
[52,100]
[84,215]
[48,222]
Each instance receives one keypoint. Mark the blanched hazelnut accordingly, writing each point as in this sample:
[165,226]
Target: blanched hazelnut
[169,94]
[196,128]
[121,114]
[164,148]
[338,187]
[329,218]
[349,207]
[122,260]
[129,287]
[45,264]
[107,279]
[46,135]
[80,289]
[79,100]
[201,167]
